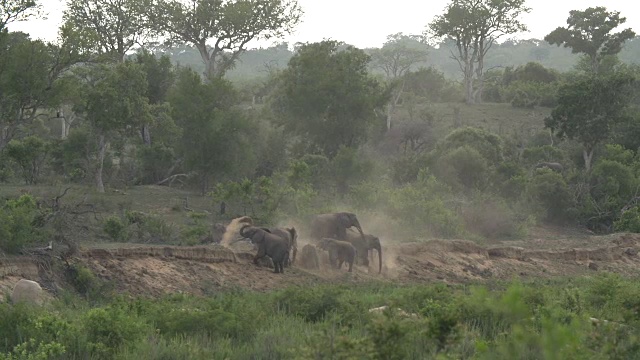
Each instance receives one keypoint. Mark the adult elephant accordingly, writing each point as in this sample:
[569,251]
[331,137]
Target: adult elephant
[363,247]
[291,235]
[271,245]
[334,226]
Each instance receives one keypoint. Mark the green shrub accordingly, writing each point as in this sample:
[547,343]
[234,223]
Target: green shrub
[20,224]
[489,145]
[493,219]
[110,328]
[115,228]
[30,154]
[629,221]
[463,166]
[549,191]
[544,153]
[420,206]
[311,304]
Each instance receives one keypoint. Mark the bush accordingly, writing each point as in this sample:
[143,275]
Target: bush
[489,145]
[629,221]
[420,206]
[311,304]
[19,224]
[30,154]
[109,328]
[549,191]
[544,153]
[493,219]
[115,228]
[463,167]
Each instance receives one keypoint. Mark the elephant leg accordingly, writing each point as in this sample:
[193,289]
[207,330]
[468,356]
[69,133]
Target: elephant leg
[261,253]
[350,265]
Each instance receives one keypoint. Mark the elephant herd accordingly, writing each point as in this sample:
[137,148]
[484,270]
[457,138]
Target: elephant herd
[328,232]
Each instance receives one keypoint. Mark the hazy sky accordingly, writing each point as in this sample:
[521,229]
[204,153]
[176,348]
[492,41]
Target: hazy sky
[366,23]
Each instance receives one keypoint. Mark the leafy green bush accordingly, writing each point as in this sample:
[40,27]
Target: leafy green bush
[489,145]
[30,154]
[19,224]
[544,153]
[115,228]
[109,328]
[550,193]
[311,304]
[629,221]
[463,167]
[493,219]
[420,206]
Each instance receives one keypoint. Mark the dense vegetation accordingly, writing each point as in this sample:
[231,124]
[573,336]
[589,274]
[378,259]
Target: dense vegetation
[579,319]
[387,132]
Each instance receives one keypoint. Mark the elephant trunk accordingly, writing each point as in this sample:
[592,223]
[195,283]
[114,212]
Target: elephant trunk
[357,225]
[242,231]
[379,249]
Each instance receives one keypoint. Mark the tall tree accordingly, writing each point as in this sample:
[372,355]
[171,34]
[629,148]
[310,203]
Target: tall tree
[115,103]
[30,73]
[221,29]
[17,10]
[589,108]
[473,26]
[215,138]
[108,28]
[327,97]
[589,32]
[396,57]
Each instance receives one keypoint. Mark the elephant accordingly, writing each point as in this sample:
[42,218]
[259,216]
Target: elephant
[557,167]
[292,237]
[339,252]
[274,246]
[334,226]
[362,247]
[309,257]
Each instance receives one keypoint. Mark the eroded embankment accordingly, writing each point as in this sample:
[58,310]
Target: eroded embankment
[156,270]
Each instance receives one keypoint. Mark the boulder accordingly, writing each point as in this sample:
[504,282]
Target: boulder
[27,291]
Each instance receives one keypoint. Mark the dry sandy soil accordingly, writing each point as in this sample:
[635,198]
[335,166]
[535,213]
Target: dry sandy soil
[156,270]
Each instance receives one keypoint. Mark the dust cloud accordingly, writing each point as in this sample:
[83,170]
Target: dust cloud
[232,230]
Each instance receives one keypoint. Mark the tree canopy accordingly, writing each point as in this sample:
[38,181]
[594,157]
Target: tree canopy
[473,26]
[221,30]
[589,32]
[589,107]
[17,10]
[327,97]
[107,28]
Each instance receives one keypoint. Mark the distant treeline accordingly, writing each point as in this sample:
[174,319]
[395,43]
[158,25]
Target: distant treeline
[256,63]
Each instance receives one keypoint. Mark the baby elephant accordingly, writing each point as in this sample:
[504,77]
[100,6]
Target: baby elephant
[270,245]
[339,252]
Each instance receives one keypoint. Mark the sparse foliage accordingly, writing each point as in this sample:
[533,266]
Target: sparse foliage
[473,26]
[229,24]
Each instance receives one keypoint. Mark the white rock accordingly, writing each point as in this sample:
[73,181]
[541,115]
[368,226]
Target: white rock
[27,291]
